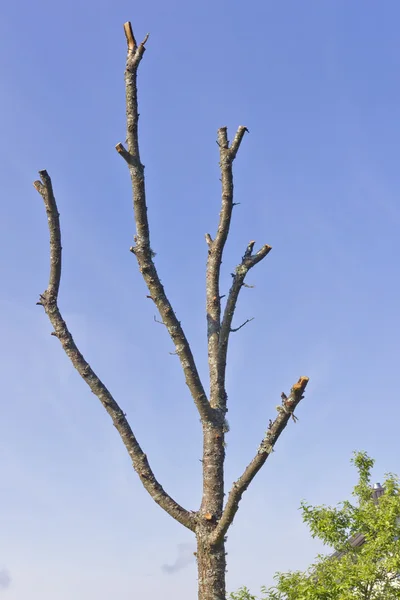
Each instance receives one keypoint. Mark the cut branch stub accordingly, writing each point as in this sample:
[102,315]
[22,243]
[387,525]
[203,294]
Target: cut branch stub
[130,38]
[249,250]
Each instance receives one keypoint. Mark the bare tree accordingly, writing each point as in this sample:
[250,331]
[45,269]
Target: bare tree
[211,521]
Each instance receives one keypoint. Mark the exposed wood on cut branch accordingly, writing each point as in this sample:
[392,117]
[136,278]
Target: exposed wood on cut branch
[285,411]
[49,301]
[130,38]
[142,249]
[215,252]
[131,41]
[249,260]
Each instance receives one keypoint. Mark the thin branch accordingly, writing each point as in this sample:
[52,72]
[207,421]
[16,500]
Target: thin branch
[142,250]
[215,252]
[237,140]
[242,325]
[249,260]
[49,301]
[266,447]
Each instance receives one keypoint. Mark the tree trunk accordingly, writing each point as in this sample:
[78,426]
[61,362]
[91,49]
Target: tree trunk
[211,567]
[211,562]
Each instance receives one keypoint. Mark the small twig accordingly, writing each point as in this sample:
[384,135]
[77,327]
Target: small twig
[146,37]
[242,325]
[158,321]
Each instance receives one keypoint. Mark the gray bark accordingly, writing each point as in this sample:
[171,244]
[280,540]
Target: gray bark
[211,568]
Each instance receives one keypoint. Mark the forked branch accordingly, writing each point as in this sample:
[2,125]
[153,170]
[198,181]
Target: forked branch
[142,249]
[215,251]
[49,301]
[285,412]
[219,330]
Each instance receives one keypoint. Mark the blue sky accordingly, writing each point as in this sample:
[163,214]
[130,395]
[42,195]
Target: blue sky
[317,84]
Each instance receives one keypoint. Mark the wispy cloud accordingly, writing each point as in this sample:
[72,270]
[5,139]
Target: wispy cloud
[184,558]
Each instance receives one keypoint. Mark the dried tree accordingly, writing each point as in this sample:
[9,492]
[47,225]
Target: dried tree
[211,521]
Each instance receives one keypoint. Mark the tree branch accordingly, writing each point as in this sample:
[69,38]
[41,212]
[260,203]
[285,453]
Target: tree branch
[234,330]
[249,260]
[215,252]
[285,411]
[49,301]
[142,249]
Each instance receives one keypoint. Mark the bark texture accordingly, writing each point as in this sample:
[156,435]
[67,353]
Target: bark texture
[211,521]
[211,568]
